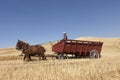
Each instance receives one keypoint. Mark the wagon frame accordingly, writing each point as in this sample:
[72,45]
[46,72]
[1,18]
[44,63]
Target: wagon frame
[77,48]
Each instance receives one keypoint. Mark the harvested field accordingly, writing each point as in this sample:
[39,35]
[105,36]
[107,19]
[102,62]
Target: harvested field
[12,67]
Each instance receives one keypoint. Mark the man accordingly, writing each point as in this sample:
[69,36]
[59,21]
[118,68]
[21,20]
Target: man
[64,36]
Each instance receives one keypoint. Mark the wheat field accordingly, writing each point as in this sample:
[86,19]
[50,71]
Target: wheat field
[12,67]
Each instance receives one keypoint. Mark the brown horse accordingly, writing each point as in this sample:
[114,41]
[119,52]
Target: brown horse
[30,50]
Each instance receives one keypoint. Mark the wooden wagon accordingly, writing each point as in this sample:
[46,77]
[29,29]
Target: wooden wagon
[77,48]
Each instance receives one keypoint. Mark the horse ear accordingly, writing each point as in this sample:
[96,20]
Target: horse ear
[18,40]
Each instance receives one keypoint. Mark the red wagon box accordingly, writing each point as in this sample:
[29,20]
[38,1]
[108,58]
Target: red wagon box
[78,48]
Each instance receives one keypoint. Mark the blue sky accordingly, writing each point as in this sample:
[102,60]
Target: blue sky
[40,21]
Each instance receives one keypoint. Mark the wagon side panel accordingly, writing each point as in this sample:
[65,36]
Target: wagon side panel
[95,46]
[79,47]
[58,47]
[73,48]
[69,47]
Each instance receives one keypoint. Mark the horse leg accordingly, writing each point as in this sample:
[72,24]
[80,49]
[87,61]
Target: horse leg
[39,57]
[43,56]
[30,58]
[24,57]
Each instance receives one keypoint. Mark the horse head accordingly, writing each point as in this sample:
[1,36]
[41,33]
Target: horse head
[21,45]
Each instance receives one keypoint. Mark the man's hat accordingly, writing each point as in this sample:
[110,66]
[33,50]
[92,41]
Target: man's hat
[64,32]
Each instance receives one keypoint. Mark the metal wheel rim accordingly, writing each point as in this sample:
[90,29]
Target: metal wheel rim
[94,54]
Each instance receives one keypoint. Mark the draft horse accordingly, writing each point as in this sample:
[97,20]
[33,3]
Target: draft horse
[31,50]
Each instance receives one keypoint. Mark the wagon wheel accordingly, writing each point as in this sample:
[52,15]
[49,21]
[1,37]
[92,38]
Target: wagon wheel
[94,54]
[62,56]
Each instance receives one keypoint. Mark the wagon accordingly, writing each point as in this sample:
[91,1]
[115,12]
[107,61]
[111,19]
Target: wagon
[77,48]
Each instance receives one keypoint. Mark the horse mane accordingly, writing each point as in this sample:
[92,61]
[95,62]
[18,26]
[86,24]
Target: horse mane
[26,45]
[23,42]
